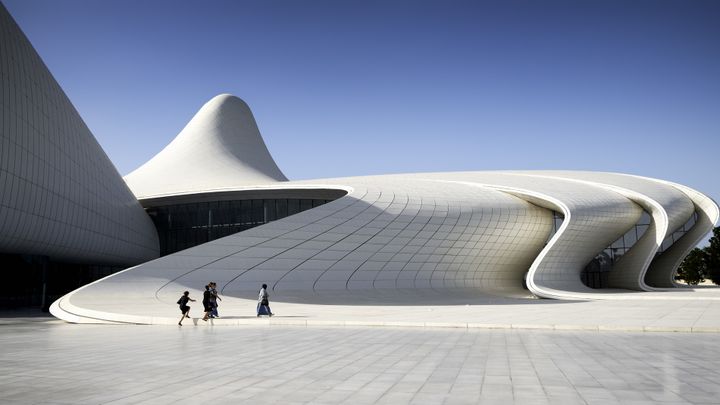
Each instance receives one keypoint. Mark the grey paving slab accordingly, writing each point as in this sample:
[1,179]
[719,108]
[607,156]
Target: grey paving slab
[59,363]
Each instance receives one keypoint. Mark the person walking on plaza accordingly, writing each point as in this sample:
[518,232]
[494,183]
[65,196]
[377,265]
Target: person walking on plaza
[263,306]
[207,306]
[184,308]
[214,300]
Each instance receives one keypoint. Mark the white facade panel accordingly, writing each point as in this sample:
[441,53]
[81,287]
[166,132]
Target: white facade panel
[61,195]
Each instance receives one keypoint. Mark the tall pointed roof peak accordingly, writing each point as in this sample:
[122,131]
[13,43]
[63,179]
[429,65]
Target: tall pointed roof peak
[220,147]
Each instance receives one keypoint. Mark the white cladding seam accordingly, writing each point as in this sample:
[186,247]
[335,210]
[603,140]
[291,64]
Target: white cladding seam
[60,196]
[220,146]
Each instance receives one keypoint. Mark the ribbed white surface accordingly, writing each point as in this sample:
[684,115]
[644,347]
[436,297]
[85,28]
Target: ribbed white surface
[441,231]
[60,196]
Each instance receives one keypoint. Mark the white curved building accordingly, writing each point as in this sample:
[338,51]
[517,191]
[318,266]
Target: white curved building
[214,206]
[489,232]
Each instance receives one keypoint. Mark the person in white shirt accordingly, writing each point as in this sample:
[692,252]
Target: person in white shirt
[263,306]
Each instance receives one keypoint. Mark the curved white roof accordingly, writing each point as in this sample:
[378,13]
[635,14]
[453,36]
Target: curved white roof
[416,232]
[485,231]
[221,146]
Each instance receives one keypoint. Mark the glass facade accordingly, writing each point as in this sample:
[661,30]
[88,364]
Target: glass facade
[182,226]
[673,237]
[618,248]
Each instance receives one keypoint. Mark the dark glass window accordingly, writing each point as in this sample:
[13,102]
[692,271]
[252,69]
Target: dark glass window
[293,206]
[258,213]
[236,213]
[679,233]
[270,210]
[246,212]
[186,225]
[282,208]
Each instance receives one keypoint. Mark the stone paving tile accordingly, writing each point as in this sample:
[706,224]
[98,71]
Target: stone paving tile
[50,362]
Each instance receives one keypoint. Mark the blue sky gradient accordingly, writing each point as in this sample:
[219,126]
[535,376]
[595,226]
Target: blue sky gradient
[343,88]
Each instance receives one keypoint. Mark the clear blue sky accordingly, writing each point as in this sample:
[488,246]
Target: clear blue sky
[407,86]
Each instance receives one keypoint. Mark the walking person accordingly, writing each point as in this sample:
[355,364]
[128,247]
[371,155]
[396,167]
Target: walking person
[214,300]
[263,306]
[207,306]
[184,308]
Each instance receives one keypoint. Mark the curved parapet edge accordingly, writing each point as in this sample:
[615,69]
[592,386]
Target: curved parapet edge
[663,267]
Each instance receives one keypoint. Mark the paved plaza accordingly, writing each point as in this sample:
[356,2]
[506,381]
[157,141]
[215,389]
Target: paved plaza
[45,361]
[680,310]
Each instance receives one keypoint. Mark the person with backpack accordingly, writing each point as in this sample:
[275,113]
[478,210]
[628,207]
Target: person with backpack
[184,308]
